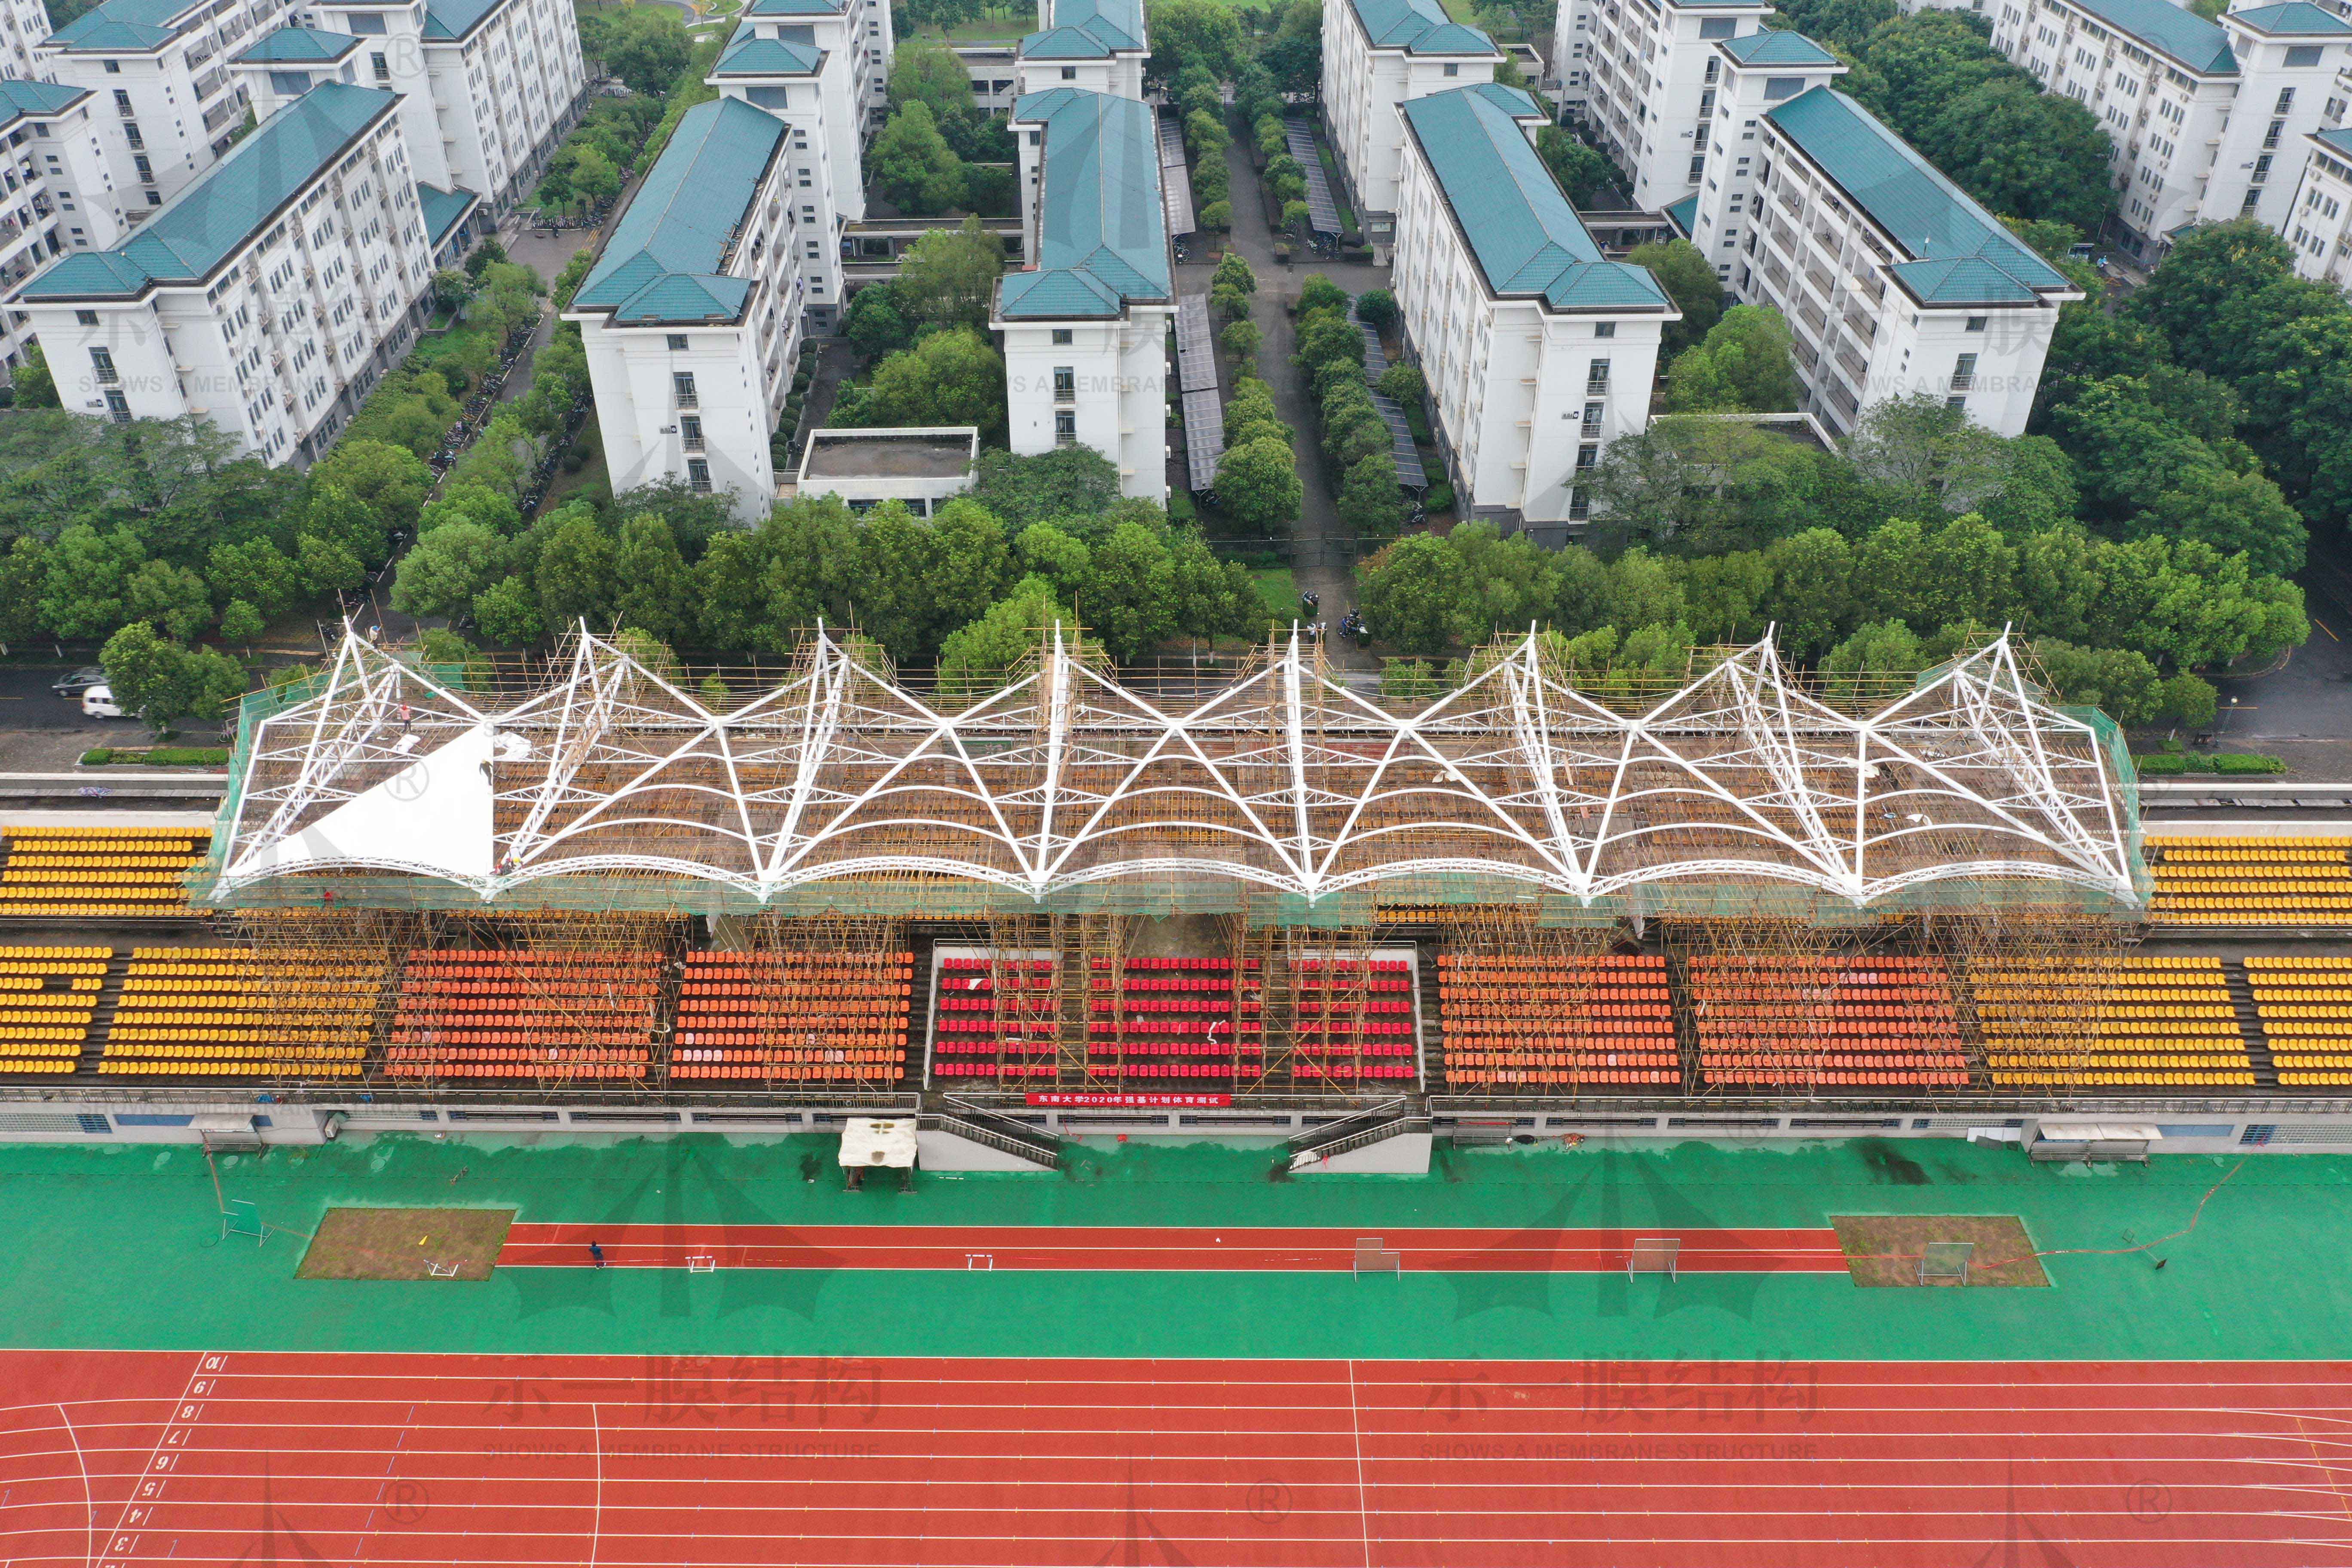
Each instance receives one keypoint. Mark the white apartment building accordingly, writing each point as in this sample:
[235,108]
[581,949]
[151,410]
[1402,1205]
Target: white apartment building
[488,87]
[2319,218]
[2210,121]
[1652,75]
[1085,324]
[837,50]
[1091,46]
[1539,350]
[1892,281]
[691,317]
[1377,54]
[159,68]
[267,296]
[57,194]
[24,26]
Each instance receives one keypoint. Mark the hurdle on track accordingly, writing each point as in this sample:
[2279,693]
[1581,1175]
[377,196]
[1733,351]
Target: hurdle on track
[1655,1255]
[1373,1255]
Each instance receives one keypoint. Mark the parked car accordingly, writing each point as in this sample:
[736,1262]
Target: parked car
[79,681]
[98,703]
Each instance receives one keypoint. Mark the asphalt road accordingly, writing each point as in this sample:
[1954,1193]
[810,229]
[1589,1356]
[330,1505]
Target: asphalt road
[2310,699]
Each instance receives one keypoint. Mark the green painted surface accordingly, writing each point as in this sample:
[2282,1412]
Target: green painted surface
[120,1248]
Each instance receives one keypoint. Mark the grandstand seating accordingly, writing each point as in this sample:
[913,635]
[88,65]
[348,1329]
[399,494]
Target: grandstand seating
[1173,1023]
[498,1013]
[1352,1022]
[2306,1007]
[2293,879]
[1579,1024]
[795,1016]
[2148,1022]
[98,873]
[969,1040]
[1876,1021]
[229,1012]
[47,997]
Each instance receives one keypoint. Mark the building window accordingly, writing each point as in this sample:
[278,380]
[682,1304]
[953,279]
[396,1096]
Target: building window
[1453,70]
[85,317]
[1964,373]
[1604,329]
[1697,168]
[1061,337]
[682,382]
[1956,403]
[697,475]
[1065,383]
[1596,376]
[118,407]
[102,363]
[1976,324]
[1593,417]
[1069,73]
[689,432]
[1066,427]
[1579,508]
[122,104]
[381,66]
[1587,455]
[677,342]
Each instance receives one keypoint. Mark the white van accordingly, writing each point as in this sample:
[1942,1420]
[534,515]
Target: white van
[98,703]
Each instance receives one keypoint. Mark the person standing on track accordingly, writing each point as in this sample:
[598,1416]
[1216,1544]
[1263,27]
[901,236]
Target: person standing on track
[597,1253]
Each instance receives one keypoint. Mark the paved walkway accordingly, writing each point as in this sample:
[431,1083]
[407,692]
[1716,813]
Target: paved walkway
[1319,564]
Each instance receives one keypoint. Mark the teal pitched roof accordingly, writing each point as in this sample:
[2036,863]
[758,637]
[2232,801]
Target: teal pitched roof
[448,21]
[665,259]
[1087,29]
[194,233]
[298,46]
[22,95]
[748,54]
[2170,29]
[1525,235]
[1778,49]
[1419,27]
[1682,214]
[443,210]
[2296,19]
[1931,219]
[122,26]
[2334,140]
[794,8]
[1102,227]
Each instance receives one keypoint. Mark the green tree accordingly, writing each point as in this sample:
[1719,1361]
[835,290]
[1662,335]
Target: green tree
[2120,681]
[241,623]
[508,612]
[444,570]
[970,566]
[34,386]
[1329,342]
[1370,501]
[1129,595]
[326,566]
[575,575]
[1412,593]
[951,377]
[388,480]
[341,518]
[1405,382]
[1683,271]
[656,589]
[1876,648]
[1317,292]
[2016,149]
[911,163]
[951,275]
[647,47]
[873,322]
[1747,363]
[1204,33]
[926,70]
[256,572]
[1583,173]
[1240,340]
[1258,485]
[1233,272]
[975,659]
[173,597]
[2232,512]
[1068,481]
[1813,589]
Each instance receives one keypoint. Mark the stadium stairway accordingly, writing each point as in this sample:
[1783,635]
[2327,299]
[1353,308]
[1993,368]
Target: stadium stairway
[2250,1023]
[1433,1022]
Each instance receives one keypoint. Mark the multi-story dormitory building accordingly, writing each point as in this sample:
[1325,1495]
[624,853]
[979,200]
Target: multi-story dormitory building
[1092,45]
[268,295]
[1649,79]
[2210,119]
[58,194]
[2319,219]
[1086,324]
[1377,54]
[694,315]
[1892,281]
[1538,351]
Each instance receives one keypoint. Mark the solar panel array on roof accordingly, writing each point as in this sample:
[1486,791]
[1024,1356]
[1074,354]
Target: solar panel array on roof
[1175,184]
[1322,212]
[1205,437]
[1196,350]
[1410,473]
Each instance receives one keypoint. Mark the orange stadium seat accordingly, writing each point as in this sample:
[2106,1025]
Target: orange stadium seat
[47,995]
[1883,1021]
[2306,1007]
[229,1012]
[2294,879]
[498,1013]
[2142,1022]
[794,1016]
[1527,1023]
[98,873]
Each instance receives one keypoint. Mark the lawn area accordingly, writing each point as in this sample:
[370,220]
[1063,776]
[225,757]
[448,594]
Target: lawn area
[986,29]
[1279,589]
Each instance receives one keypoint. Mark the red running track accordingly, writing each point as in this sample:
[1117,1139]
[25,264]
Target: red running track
[110,1459]
[1457,1250]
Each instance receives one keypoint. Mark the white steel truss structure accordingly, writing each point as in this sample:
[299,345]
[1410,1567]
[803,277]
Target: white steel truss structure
[1286,780]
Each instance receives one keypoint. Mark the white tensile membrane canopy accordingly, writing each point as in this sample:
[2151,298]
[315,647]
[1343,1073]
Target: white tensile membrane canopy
[1286,779]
